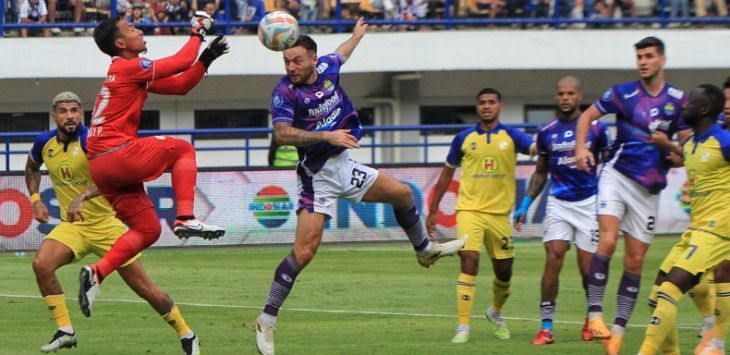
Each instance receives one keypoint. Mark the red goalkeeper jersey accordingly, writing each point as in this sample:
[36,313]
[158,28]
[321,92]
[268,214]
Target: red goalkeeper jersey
[118,106]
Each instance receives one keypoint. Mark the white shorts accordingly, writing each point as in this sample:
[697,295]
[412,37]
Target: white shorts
[630,202]
[572,221]
[340,177]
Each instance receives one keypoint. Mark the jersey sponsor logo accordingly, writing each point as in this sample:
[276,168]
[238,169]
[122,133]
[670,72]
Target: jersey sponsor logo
[489,164]
[145,63]
[324,106]
[566,160]
[607,95]
[50,153]
[473,145]
[277,100]
[321,67]
[329,120]
[628,96]
[675,93]
[661,125]
[65,172]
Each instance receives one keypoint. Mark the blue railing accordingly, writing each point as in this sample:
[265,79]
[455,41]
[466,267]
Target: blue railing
[249,134]
[447,19]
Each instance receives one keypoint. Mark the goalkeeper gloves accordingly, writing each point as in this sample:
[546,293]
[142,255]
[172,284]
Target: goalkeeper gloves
[202,23]
[216,48]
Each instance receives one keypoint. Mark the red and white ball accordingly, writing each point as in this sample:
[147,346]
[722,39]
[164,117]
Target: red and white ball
[278,30]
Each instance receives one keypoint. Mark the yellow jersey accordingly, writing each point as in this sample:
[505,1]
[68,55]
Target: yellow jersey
[707,162]
[69,171]
[487,160]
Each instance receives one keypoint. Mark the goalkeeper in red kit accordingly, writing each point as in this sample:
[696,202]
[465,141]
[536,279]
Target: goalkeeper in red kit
[120,161]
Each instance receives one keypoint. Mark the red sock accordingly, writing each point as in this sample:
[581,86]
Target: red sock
[184,176]
[144,230]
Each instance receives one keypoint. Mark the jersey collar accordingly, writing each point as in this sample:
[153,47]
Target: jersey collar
[708,133]
[497,128]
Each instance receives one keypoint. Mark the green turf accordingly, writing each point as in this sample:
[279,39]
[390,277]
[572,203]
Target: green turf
[371,299]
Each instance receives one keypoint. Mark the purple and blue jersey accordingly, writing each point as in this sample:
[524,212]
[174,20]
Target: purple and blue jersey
[556,142]
[638,115]
[322,106]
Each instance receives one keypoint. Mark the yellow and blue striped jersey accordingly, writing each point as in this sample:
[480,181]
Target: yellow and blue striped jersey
[69,172]
[487,160]
[707,162]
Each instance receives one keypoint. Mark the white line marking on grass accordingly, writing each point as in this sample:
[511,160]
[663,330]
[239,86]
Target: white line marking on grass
[342,311]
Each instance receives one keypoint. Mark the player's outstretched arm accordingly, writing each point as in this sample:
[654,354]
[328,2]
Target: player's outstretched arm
[346,48]
[537,184]
[584,159]
[187,55]
[33,182]
[441,186]
[75,208]
[286,134]
[186,81]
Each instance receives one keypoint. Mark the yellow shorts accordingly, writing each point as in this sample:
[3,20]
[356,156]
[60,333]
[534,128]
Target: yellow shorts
[675,252]
[703,251]
[491,230]
[95,238]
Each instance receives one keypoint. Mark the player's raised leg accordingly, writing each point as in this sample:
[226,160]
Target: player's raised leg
[389,190]
[53,254]
[136,278]
[310,226]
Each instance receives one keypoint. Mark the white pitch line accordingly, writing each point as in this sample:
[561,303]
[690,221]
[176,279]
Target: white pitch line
[342,311]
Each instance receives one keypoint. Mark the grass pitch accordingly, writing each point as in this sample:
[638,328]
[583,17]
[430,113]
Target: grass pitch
[371,299]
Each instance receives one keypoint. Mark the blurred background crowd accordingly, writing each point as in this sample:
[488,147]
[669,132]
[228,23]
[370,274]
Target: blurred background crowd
[398,15]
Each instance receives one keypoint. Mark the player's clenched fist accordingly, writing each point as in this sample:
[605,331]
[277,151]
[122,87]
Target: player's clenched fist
[201,23]
[216,48]
[584,159]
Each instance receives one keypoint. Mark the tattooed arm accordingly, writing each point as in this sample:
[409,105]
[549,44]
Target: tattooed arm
[285,134]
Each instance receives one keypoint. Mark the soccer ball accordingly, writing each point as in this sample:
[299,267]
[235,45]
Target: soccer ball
[278,30]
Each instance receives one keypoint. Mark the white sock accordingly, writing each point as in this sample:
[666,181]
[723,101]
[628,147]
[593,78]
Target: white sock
[67,328]
[462,328]
[719,344]
[593,315]
[618,330]
[708,323]
[496,317]
[188,335]
[267,318]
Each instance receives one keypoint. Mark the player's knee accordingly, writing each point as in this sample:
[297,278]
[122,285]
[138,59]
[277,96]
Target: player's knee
[42,267]
[402,196]
[633,263]
[149,231]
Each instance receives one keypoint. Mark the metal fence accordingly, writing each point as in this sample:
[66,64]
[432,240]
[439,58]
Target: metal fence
[377,139]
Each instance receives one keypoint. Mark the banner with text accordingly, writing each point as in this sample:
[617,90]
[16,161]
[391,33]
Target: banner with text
[258,207]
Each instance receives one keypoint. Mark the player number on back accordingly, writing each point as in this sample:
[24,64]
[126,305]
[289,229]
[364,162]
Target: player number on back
[358,178]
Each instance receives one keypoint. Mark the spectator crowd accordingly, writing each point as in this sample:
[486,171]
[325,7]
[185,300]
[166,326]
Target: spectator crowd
[149,14]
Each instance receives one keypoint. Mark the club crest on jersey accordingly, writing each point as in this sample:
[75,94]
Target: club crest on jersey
[668,109]
[50,153]
[75,151]
[145,63]
[277,100]
[503,145]
[328,85]
[473,145]
[568,134]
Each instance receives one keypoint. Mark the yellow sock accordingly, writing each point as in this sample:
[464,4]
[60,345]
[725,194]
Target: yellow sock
[722,312]
[501,290]
[703,297]
[670,345]
[664,318]
[652,297]
[59,312]
[465,290]
[176,320]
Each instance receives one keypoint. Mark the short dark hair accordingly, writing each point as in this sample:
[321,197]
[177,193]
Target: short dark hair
[306,42]
[490,91]
[726,84]
[105,33]
[650,42]
[714,97]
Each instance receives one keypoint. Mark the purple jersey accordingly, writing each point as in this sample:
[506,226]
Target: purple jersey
[556,142]
[322,106]
[638,114]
